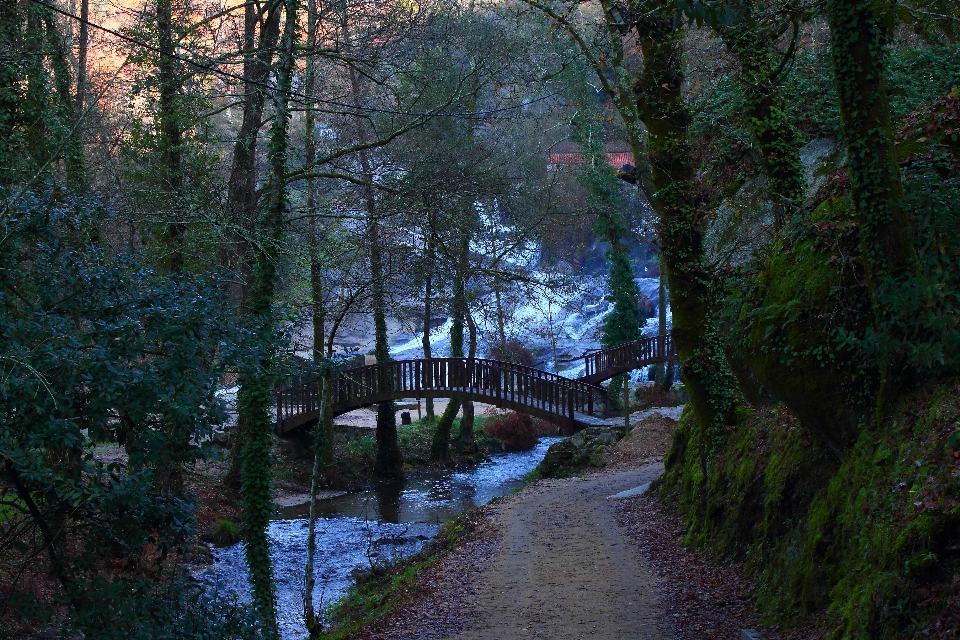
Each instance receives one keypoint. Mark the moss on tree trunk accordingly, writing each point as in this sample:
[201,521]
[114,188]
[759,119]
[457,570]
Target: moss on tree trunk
[693,299]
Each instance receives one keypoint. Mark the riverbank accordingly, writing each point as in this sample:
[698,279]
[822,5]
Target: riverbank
[353,468]
[540,563]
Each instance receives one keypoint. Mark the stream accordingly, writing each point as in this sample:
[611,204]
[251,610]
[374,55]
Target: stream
[356,529]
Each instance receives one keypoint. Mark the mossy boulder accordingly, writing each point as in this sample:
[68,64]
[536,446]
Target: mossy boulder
[870,545]
[802,297]
[581,451]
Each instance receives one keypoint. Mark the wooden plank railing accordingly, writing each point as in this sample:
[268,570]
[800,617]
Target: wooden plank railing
[502,383]
[607,363]
[505,384]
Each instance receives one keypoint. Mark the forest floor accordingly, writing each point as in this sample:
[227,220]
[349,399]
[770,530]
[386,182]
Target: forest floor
[562,560]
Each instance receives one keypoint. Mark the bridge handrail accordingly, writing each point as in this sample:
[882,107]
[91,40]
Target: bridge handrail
[503,383]
[499,364]
[495,379]
[650,349]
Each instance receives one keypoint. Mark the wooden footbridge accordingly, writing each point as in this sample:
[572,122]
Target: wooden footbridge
[570,404]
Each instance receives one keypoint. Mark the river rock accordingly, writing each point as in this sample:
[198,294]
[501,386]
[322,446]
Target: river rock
[580,451]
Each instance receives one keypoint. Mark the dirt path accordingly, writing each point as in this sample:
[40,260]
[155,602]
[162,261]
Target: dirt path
[565,570]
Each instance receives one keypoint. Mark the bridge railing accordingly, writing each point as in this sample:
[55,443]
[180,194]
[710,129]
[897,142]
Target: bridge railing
[499,381]
[626,356]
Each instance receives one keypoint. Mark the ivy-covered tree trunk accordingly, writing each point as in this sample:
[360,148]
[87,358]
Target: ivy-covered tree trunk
[242,183]
[440,449]
[256,384]
[658,92]
[71,148]
[83,45]
[468,443]
[38,126]
[773,134]
[11,104]
[170,130]
[858,37]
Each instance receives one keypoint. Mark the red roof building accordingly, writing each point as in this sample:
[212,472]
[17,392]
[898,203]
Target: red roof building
[568,152]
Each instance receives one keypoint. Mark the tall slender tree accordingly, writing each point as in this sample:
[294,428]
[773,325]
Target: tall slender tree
[256,382]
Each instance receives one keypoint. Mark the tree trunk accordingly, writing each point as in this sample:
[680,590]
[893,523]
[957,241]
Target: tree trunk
[83,45]
[242,184]
[323,451]
[501,316]
[431,264]
[388,460]
[440,449]
[71,149]
[859,36]
[311,619]
[171,135]
[468,442]
[256,385]
[773,134]
[662,107]
[858,39]
[664,370]
[323,436]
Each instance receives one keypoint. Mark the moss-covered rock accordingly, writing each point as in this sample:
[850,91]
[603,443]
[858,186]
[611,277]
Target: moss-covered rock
[872,544]
[805,294]
[581,451]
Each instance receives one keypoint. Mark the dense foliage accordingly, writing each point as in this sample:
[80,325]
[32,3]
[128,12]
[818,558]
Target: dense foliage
[177,193]
[97,350]
[516,431]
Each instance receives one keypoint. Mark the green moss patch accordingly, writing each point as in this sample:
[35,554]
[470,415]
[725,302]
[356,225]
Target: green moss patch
[872,544]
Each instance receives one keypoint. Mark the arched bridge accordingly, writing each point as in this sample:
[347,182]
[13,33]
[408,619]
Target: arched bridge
[571,404]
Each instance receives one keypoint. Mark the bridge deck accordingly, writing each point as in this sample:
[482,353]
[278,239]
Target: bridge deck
[607,363]
[571,404]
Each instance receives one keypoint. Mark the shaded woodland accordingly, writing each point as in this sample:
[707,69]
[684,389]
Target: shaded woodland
[198,196]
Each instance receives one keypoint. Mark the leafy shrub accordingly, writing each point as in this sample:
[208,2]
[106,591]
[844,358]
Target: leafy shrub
[362,447]
[97,349]
[516,431]
[512,351]
[225,533]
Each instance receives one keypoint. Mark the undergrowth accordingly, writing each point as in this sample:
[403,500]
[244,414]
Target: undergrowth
[354,459]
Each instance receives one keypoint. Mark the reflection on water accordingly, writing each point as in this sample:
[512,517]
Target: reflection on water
[357,529]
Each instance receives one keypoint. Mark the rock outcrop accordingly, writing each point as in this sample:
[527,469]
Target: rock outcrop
[578,452]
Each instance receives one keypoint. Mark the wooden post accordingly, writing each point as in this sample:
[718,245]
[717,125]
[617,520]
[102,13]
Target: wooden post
[626,405]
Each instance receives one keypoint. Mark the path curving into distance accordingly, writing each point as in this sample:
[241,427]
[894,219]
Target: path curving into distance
[565,570]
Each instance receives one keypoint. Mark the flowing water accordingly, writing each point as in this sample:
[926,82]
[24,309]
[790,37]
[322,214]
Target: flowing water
[357,529]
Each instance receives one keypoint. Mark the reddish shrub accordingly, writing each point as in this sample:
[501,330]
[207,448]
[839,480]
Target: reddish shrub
[516,431]
[512,351]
